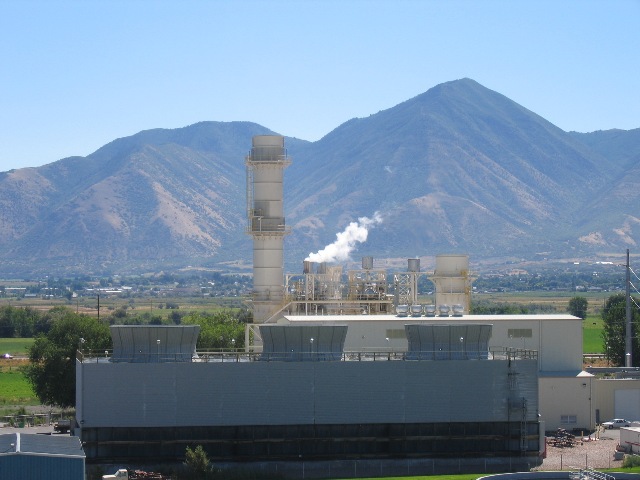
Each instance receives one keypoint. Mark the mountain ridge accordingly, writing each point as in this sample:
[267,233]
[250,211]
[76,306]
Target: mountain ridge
[457,169]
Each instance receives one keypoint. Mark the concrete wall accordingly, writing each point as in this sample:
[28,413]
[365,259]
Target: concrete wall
[563,399]
[557,338]
[605,397]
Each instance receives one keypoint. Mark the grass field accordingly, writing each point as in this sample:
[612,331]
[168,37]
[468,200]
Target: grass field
[14,387]
[15,346]
[89,306]
[592,335]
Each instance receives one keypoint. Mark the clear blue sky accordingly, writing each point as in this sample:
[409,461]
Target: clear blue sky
[75,75]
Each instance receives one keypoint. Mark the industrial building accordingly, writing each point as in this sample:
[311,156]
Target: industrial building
[41,457]
[344,374]
[304,402]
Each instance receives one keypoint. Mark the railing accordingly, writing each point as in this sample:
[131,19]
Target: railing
[268,225]
[238,356]
[268,154]
[35,419]
[589,474]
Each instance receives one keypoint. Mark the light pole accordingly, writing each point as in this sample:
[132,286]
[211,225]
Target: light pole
[628,344]
[311,347]
[158,350]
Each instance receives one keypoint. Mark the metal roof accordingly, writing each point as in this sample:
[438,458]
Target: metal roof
[48,445]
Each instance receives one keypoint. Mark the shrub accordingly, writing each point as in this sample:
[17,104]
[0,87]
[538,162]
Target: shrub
[197,462]
[631,461]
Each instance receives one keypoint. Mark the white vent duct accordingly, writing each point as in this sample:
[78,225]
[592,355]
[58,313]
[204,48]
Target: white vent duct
[453,281]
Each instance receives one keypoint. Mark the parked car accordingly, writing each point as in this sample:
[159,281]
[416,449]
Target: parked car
[7,355]
[62,426]
[617,423]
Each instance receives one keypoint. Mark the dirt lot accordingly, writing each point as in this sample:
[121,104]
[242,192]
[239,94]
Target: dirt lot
[594,453]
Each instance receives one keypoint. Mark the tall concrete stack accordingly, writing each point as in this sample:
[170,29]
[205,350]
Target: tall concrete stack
[266,223]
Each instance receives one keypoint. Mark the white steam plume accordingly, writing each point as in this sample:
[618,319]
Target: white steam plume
[338,251]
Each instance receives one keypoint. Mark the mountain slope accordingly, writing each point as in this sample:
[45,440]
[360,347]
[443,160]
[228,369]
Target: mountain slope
[459,168]
[499,169]
[159,197]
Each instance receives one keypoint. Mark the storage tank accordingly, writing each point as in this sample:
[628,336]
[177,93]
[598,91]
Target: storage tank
[367,263]
[413,264]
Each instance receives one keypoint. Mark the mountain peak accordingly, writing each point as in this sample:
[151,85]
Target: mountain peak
[459,168]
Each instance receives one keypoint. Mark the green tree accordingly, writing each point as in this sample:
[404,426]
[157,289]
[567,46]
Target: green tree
[18,321]
[217,330]
[6,322]
[614,330]
[197,462]
[52,366]
[578,307]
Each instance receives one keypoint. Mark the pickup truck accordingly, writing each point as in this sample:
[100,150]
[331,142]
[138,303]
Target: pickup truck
[62,426]
[124,474]
[121,474]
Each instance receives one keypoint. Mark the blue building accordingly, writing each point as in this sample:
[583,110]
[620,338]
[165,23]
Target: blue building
[46,457]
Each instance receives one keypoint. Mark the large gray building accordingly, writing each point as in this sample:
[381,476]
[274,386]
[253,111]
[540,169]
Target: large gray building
[447,403]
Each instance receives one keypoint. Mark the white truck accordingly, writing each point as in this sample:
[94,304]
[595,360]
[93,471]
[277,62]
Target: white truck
[121,474]
[124,474]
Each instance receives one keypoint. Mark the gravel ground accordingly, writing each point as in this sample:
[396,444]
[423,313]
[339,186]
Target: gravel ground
[595,453]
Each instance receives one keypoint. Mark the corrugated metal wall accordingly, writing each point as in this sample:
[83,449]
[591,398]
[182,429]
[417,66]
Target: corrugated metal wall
[40,467]
[291,393]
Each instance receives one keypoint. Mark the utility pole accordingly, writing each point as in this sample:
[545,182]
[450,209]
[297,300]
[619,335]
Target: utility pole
[628,361]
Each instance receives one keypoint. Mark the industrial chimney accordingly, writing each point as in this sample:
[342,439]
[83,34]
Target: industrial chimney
[265,213]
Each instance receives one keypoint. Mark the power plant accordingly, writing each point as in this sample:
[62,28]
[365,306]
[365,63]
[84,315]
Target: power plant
[343,375]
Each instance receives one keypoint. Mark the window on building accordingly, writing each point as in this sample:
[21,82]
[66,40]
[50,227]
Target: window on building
[396,333]
[568,419]
[520,333]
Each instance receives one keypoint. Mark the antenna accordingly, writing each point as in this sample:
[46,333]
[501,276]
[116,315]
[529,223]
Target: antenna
[628,360]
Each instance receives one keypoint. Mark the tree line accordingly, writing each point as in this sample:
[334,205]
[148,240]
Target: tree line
[51,370]
[59,331]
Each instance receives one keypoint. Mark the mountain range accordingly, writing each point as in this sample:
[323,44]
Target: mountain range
[457,169]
